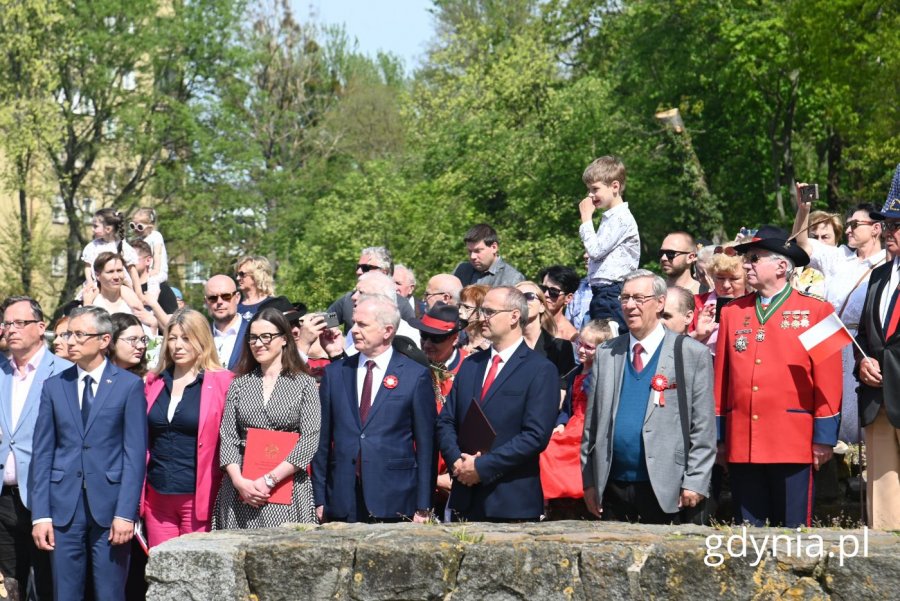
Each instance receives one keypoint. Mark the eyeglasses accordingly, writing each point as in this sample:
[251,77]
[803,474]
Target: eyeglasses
[639,299]
[855,223]
[465,307]
[137,227]
[241,274]
[225,296]
[18,323]
[728,251]
[266,338]
[671,254]
[436,338]
[136,341]
[79,336]
[754,258]
[550,291]
[430,294]
[488,313]
[530,296]
[367,268]
[891,226]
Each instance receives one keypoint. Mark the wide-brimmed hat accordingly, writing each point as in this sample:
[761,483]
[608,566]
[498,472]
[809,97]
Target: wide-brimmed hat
[776,240]
[890,210]
[439,319]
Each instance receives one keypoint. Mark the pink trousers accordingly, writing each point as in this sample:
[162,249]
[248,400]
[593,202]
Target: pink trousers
[168,516]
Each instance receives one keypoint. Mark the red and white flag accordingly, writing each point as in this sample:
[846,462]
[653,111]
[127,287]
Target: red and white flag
[826,338]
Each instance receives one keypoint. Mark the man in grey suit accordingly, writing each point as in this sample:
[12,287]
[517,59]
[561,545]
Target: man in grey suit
[634,463]
[21,381]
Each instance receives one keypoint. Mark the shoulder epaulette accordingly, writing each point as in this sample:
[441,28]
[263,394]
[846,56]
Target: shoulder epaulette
[811,295]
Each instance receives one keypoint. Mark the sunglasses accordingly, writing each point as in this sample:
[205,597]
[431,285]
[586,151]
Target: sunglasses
[137,227]
[225,296]
[530,296]
[855,223]
[728,251]
[241,274]
[367,268]
[891,226]
[436,338]
[671,254]
[550,291]
[754,258]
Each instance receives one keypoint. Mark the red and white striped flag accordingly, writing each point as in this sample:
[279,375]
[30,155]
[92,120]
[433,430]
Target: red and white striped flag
[826,338]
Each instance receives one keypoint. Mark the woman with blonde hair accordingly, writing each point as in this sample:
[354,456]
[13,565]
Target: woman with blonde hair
[185,401]
[729,278]
[254,279]
[540,334]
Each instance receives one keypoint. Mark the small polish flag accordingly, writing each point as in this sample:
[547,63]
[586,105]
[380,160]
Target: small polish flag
[826,338]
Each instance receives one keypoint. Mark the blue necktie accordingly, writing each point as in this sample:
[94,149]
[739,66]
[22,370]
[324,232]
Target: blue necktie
[87,399]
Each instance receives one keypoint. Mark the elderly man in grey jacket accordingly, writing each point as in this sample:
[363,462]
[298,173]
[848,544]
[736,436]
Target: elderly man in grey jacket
[634,461]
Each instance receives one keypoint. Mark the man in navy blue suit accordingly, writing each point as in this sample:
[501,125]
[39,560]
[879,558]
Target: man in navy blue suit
[222,297]
[518,391]
[377,458]
[90,446]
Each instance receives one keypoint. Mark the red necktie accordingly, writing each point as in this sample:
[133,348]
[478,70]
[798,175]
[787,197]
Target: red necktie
[365,400]
[893,315]
[492,373]
[636,360]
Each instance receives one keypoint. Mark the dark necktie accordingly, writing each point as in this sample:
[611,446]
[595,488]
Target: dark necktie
[636,360]
[492,373]
[87,399]
[365,400]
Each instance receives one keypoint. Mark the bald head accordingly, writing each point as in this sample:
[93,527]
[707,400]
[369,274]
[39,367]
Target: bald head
[223,307]
[444,287]
[375,282]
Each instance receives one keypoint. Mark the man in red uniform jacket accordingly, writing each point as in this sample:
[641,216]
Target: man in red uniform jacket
[777,410]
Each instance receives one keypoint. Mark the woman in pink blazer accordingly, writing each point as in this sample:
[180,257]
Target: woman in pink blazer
[185,397]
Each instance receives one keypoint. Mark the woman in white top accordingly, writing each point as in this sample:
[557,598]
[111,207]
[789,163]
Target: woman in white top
[107,293]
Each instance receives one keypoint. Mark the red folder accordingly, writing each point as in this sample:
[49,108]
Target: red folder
[265,449]
[476,434]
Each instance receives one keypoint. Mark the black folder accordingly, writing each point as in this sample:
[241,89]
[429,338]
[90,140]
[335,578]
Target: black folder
[476,434]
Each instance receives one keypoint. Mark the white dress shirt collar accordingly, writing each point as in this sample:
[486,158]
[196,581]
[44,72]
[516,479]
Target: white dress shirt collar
[650,342]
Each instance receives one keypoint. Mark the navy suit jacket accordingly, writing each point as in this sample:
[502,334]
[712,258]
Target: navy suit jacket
[399,457]
[522,405]
[19,438]
[107,457]
[238,343]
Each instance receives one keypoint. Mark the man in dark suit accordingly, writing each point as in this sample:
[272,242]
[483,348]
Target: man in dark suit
[879,377]
[21,380]
[376,459]
[519,395]
[222,298]
[90,448]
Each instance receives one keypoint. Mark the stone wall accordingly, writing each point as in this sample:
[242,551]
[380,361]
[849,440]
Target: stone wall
[533,562]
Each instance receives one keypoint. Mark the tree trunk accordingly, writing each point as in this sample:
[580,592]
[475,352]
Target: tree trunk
[835,151]
[22,164]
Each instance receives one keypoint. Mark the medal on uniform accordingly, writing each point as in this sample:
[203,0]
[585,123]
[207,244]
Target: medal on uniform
[740,344]
[785,322]
[760,334]
[795,322]
[804,319]
[746,320]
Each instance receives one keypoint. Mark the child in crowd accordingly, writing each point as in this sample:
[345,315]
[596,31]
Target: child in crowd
[143,224]
[561,460]
[109,236]
[615,248]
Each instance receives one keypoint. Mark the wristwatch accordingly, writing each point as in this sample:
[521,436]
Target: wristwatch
[270,481]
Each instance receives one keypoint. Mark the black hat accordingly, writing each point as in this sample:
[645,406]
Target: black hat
[440,319]
[890,210]
[775,239]
[280,303]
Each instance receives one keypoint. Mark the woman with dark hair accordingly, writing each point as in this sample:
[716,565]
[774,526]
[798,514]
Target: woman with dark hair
[109,291]
[272,391]
[129,344]
[185,401]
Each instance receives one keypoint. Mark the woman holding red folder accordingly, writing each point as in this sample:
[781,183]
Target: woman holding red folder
[272,391]
[185,400]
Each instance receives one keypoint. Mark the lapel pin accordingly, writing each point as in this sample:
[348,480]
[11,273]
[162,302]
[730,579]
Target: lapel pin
[391,381]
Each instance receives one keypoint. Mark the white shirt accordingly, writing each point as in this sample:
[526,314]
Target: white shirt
[155,240]
[888,291]
[225,340]
[21,386]
[842,270]
[96,374]
[97,246]
[650,343]
[615,249]
[378,373]
[505,354]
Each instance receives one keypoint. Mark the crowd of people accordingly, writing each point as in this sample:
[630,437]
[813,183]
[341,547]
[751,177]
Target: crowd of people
[623,395]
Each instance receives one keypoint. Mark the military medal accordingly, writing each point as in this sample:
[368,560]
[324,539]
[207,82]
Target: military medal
[795,322]
[760,335]
[804,319]
[740,344]
[785,322]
